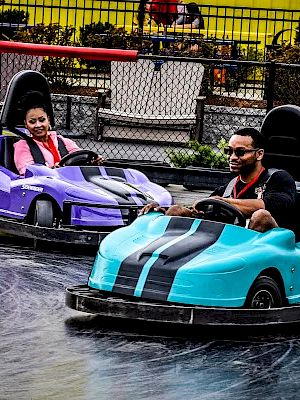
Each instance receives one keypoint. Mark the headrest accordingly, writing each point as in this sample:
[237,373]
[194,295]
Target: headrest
[283,122]
[20,84]
[280,128]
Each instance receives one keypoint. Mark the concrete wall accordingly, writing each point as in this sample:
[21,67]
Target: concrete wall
[219,121]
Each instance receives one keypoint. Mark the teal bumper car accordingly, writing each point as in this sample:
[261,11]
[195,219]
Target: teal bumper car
[202,272]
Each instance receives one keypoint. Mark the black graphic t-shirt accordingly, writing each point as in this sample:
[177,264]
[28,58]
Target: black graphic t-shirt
[278,193]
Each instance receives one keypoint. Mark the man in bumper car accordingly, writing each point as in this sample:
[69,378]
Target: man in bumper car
[266,197]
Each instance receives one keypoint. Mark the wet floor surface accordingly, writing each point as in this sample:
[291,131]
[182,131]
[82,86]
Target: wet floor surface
[51,352]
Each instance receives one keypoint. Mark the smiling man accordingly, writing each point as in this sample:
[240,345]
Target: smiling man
[267,198]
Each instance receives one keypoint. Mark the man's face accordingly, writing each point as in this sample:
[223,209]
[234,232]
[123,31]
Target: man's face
[245,162]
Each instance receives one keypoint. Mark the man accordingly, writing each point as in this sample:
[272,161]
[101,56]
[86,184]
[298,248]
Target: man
[266,197]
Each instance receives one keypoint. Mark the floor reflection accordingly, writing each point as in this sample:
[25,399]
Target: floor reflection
[51,352]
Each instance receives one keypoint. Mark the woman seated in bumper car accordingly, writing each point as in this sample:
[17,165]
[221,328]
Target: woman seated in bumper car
[51,145]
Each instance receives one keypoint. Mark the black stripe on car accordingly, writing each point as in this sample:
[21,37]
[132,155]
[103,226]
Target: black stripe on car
[132,266]
[162,273]
[115,172]
[111,187]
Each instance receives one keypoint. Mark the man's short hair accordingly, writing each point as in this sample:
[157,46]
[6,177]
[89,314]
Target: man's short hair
[255,134]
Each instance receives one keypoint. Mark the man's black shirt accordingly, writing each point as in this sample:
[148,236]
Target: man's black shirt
[278,193]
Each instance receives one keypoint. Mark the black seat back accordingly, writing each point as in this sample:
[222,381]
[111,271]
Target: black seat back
[281,128]
[12,116]
[7,152]
[20,84]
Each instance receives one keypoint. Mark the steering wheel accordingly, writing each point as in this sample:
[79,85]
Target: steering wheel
[79,157]
[218,210]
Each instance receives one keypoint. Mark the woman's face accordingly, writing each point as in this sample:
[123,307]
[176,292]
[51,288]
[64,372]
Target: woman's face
[37,122]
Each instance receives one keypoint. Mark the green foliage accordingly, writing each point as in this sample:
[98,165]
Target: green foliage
[9,17]
[249,72]
[14,16]
[101,35]
[286,53]
[199,155]
[88,33]
[47,34]
[57,69]
[286,86]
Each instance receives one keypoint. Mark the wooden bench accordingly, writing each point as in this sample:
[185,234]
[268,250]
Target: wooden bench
[153,101]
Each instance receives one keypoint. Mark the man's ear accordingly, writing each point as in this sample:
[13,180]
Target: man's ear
[260,154]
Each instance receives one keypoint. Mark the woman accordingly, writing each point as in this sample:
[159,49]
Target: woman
[189,16]
[37,122]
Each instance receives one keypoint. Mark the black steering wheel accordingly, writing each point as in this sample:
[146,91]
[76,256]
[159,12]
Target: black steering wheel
[77,158]
[218,210]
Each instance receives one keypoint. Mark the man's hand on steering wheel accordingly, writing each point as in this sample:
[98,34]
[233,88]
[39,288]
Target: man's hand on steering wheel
[153,206]
[216,208]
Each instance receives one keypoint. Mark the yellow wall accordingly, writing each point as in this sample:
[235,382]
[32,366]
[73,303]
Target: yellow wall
[270,4]
[262,24]
[81,12]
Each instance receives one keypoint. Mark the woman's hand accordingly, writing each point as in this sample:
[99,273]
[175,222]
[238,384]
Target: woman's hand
[98,161]
[56,165]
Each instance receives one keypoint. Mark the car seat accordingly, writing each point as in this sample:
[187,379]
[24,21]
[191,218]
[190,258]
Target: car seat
[280,128]
[7,152]
[12,117]
[21,83]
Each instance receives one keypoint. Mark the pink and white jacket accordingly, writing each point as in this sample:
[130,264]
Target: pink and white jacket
[23,157]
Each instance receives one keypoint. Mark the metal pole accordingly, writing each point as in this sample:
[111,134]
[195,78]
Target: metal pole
[271,84]
[141,15]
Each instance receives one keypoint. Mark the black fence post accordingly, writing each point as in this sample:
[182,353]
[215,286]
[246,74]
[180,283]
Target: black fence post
[68,113]
[141,15]
[271,85]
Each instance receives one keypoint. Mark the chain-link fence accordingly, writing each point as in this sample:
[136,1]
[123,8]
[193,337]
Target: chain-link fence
[150,109]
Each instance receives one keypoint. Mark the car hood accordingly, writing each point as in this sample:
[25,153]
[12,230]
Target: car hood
[144,258]
[123,186]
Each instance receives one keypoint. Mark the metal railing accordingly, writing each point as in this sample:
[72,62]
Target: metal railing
[229,94]
[246,26]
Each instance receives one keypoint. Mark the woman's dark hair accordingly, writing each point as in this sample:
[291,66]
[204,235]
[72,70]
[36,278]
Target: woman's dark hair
[32,99]
[256,135]
[194,12]
[193,8]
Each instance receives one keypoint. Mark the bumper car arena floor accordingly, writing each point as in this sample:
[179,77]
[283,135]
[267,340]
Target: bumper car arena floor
[51,352]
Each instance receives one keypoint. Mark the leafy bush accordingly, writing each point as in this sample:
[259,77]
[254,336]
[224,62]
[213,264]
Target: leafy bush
[57,69]
[14,16]
[286,86]
[201,155]
[8,17]
[94,29]
[286,53]
[101,35]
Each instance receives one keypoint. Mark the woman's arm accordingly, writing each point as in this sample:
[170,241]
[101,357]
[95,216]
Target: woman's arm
[22,156]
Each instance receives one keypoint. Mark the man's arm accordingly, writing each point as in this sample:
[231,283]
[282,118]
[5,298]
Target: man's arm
[246,206]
